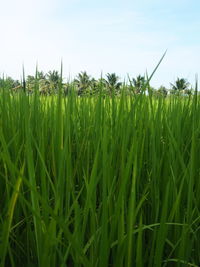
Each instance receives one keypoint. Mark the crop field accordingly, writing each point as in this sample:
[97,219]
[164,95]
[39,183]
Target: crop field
[99,181]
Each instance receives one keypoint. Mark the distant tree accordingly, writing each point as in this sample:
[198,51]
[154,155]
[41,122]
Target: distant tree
[68,88]
[138,84]
[99,86]
[162,91]
[30,79]
[83,82]
[152,90]
[30,83]
[8,83]
[53,77]
[41,75]
[94,86]
[180,85]
[188,92]
[44,87]
[112,82]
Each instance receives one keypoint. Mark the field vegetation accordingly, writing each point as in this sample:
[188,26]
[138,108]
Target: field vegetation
[98,179]
[83,84]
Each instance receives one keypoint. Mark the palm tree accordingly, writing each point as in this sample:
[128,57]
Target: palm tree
[30,83]
[53,78]
[139,83]
[83,81]
[180,85]
[112,82]
[41,75]
[94,85]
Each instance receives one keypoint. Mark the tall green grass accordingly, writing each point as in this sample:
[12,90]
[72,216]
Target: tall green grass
[105,181]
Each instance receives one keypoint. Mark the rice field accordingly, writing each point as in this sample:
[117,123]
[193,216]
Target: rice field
[99,181]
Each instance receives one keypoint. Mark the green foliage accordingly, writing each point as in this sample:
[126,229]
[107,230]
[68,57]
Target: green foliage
[162,91]
[53,78]
[83,82]
[138,84]
[180,84]
[112,83]
[99,181]
[180,87]
[8,83]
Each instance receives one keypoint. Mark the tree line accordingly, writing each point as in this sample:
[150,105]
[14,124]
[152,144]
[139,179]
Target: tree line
[83,84]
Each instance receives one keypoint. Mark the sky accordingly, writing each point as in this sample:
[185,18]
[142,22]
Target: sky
[100,37]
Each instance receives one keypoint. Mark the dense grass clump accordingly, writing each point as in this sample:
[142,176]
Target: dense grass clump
[99,181]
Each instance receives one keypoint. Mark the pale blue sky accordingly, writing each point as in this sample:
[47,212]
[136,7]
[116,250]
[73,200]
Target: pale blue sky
[102,36]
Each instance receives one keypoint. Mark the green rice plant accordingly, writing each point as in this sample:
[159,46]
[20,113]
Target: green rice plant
[99,180]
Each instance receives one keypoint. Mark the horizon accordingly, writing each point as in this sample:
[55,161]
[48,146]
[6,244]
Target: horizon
[101,37]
